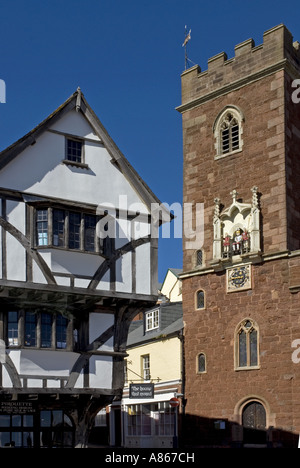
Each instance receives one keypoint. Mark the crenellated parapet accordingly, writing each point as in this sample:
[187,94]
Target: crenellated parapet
[249,63]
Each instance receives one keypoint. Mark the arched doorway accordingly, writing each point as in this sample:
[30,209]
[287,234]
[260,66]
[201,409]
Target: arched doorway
[254,424]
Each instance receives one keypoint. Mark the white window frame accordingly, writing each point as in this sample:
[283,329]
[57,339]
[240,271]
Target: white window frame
[146,367]
[152,320]
[238,116]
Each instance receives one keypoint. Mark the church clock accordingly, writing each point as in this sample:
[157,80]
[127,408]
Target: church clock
[238,278]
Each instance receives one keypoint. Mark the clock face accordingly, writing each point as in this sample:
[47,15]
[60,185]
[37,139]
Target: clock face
[238,278]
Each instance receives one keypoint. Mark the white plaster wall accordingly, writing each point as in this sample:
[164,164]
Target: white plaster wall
[123,233]
[6,380]
[39,169]
[81,283]
[141,228]
[75,124]
[43,362]
[104,284]
[16,255]
[143,271]
[16,259]
[101,372]
[15,213]
[37,275]
[63,281]
[98,323]
[71,262]
[79,381]
[124,273]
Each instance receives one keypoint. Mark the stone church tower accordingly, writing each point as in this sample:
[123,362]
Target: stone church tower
[241,285]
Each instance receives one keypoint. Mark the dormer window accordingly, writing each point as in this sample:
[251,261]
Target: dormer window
[152,320]
[228,131]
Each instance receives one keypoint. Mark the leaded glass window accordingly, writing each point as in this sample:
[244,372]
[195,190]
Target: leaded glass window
[42,227]
[228,131]
[30,329]
[58,228]
[247,344]
[12,329]
[46,330]
[201,363]
[74,150]
[200,299]
[74,230]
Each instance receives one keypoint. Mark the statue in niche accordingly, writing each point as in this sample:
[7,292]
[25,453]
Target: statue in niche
[245,237]
[236,228]
[237,241]
[226,245]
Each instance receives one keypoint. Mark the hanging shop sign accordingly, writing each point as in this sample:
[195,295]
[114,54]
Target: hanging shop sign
[141,390]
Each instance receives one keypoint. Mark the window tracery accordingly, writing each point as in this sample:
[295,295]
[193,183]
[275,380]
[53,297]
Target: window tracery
[228,131]
[246,345]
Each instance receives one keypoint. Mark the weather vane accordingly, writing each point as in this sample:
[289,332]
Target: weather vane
[186,40]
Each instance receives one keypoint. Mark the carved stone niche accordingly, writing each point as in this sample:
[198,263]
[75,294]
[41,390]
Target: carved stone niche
[236,231]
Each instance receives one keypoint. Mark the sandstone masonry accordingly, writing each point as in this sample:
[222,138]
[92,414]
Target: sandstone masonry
[257,85]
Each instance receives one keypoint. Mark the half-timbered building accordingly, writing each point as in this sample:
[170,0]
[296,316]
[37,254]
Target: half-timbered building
[77,263]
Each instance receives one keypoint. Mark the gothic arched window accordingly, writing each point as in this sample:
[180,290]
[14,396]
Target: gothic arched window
[229,136]
[228,131]
[247,345]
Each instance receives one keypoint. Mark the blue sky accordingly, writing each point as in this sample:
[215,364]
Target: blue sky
[127,57]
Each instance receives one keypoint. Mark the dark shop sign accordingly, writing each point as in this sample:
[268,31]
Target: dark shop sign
[141,390]
[16,407]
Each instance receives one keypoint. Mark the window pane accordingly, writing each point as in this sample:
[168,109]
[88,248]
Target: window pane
[58,228]
[146,367]
[74,150]
[61,332]
[74,230]
[235,137]
[57,418]
[152,320]
[200,300]
[46,332]
[68,422]
[16,420]
[199,258]
[30,329]
[27,420]
[16,439]
[242,350]
[4,439]
[225,141]
[89,232]
[42,227]
[45,418]
[201,363]
[146,420]
[4,420]
[253,348]
[27,439]
[12,329]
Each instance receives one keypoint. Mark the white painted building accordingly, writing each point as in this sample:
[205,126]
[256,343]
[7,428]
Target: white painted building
[77,263]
